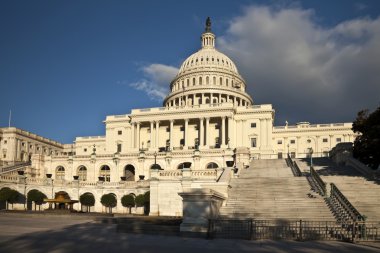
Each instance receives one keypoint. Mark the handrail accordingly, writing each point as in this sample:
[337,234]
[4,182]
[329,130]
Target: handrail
[293,166]
[14,167]
[318,180]
[345,203]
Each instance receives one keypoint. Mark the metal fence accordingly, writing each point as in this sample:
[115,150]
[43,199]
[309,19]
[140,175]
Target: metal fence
[250,229]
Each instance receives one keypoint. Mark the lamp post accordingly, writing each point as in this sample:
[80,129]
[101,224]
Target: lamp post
[52,188]
[288,149]
[155,157]
[311,156]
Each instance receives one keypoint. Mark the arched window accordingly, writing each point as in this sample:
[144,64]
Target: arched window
[220,81]
[60,173]
[207,80]
[82,173]
[214,80]
[106,173]
[226,81]
[200,80]
[212,166]
[185,165]
[193,81]
[129,172]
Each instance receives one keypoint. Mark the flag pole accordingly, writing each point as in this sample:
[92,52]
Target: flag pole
[10,116]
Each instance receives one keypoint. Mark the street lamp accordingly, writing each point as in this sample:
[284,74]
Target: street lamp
[26,197]
[288,149]
[311,156]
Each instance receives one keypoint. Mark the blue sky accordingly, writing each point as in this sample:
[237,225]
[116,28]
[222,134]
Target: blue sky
[65,65]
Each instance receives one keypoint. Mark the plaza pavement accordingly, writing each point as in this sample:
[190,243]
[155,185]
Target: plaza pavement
[61,234]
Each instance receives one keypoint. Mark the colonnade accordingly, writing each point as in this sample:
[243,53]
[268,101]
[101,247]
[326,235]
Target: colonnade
[203,135]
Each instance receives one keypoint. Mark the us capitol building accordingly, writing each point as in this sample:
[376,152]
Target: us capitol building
[208,123]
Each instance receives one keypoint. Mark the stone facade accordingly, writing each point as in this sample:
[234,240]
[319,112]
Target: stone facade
[207,119]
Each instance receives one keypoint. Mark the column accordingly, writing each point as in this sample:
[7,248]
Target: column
[262,128]
[207,139]
[317,151]
[220,98]
[157,144]
[132,135]
[230,132]
[151,135]
[244,133]
[211,98]
[201,135]
[138,135]
[269,132]
[203,99]
[222,133]
[186,134]
[171,134]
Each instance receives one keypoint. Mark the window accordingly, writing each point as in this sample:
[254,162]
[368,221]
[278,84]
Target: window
[292,141]
[85,150]
[4,155]
[105,172]
[182,129]
[60,173]
[253,125]
[293,154]
[23,144]
[253,143]
[119,132]
[279,142]
[119,148]
[279,155]
[82,173]
[308,140]
[31,146]
[182,142]
[324,140]
[338,139]
[168,129]
[5,141]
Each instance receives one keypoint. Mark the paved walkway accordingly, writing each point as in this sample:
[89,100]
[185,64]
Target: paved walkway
[59,234]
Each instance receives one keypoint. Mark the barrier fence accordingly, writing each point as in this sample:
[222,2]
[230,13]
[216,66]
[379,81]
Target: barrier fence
[250,229]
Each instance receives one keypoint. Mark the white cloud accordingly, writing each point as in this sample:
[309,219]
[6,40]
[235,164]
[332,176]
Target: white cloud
[156,81]
[307,71]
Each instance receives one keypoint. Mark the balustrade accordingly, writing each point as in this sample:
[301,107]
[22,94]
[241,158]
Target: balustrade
[321,185]
[342,206]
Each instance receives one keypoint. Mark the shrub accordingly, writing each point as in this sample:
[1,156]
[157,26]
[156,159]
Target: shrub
[128,201]
[109,200]
[140,200]
[8,195]
[88,200]
[37,197]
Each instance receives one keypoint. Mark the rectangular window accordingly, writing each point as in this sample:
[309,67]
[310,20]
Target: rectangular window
[182,129]
[279,155]
[23,144]
[293,154]
[85,150]
[119,132]
[338,140]
[253,143]
[279,142]
[292,141]
[118,148]
[325,140]
[253,125]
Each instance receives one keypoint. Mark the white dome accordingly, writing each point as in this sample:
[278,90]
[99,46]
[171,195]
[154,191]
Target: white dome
[207,58]
[207,77]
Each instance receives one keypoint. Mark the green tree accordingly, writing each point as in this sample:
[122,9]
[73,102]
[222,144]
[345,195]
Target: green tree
[140,200]
[88,200]
[367,144]
[9,196]
[128,201]
[37,197]
[109,200]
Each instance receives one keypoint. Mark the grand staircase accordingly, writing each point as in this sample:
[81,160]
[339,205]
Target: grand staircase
[268,190]
[362,193]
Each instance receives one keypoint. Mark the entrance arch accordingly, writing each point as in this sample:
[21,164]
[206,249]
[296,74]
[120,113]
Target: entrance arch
[129,172]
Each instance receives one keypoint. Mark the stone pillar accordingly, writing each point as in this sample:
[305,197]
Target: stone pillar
[220,98]
[157,144]
[269,132]
[207,139]
[201,134]
[244,133]
[171,134]
[186,134]
[203,99]
[230,132]
[138,135]
[151,135]
[154,204]
[222,133]
[199,206]
[133,135]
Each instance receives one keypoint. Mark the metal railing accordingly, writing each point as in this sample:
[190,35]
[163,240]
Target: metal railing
[342,206]
[319,183]
[251,229]
[294,167]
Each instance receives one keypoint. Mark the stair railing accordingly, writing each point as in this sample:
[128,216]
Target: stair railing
[14,167]
[343,205]
[293,166]
[321,185]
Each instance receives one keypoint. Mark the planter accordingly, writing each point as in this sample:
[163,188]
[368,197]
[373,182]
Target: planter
[76,177]
[230,163]
[123,178]
[141,177]
[48,175]
[101,179]
[20,172]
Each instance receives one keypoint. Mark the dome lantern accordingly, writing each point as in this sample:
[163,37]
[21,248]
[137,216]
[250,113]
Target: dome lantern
[208,38]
